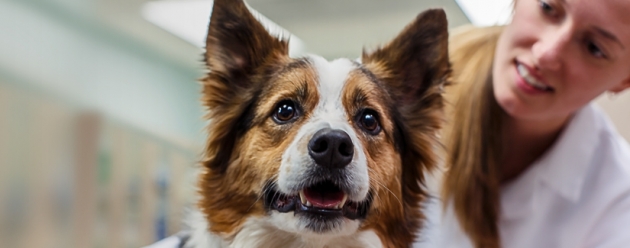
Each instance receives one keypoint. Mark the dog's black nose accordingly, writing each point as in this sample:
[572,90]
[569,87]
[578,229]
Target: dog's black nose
[331,148]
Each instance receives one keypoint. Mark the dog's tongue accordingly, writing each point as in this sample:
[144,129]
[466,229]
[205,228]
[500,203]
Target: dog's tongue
[323,198]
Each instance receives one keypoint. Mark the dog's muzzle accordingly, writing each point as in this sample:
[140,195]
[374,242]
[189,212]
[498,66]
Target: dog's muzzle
[323,191]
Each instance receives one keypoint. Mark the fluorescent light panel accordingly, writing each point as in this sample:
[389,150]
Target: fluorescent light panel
[188,19]
[487,12]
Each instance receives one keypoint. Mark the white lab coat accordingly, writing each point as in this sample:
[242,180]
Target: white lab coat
[576,195]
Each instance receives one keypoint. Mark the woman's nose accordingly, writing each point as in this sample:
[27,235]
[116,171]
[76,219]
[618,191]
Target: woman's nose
[549,50]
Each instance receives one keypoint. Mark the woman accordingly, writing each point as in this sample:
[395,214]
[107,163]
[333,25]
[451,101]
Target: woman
[532,162]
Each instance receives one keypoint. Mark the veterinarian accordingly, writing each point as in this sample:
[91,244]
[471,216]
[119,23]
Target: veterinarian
[532,161]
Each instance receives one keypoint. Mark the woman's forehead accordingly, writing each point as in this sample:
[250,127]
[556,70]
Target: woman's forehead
[611,16]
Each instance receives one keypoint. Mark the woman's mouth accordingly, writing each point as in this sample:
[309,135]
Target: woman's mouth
[532,84]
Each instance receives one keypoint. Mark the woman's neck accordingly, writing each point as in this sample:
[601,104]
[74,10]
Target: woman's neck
[524,141]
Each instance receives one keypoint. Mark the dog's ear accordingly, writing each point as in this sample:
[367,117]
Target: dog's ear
[415,67]
[416,60]
[239,53]
[237,43]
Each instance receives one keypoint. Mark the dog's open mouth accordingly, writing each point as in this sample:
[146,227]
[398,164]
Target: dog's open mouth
[324,200]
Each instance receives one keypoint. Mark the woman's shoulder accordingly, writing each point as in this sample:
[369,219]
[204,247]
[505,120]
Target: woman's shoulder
[590,161]
[610,162]
[613,147]
[609,187]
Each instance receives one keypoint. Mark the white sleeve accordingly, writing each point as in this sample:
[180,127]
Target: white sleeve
[613,230]
[170,242]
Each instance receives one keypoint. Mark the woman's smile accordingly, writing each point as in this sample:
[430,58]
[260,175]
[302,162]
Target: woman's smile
[529,82]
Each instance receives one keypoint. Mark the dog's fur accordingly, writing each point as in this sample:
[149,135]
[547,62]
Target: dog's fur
[249,151]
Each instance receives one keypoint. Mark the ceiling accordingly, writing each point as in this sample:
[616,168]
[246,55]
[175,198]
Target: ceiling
[330,28]
[340,28]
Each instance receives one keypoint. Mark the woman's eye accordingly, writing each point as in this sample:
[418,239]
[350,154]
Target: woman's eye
[546,8]
[369,121]
[594,50]
[285,112]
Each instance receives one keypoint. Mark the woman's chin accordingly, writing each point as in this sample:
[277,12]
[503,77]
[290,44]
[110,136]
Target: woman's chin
[515,107]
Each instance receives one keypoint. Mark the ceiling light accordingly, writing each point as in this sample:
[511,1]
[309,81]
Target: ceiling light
[487,12]
[188,19]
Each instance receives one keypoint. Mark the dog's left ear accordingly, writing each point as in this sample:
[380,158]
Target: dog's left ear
[416,60]
[237,43]
[239,51]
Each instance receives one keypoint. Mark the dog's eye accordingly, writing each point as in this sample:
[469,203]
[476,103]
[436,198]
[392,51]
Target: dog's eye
[368,119]
[285,112]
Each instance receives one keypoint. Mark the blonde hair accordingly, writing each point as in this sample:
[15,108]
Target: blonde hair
[472,135]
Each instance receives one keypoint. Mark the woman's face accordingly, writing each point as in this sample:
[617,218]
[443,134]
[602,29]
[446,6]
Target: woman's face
[557,55]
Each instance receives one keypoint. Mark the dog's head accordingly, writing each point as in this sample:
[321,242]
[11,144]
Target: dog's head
[317,147]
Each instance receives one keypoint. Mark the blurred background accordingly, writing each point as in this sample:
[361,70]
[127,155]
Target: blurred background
[100,121]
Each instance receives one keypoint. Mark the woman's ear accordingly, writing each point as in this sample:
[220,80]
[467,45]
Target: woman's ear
[621,87]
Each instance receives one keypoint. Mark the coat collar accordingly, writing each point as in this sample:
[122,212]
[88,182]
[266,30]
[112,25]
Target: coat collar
[563,168]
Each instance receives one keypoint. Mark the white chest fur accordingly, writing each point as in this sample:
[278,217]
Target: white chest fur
[257,232]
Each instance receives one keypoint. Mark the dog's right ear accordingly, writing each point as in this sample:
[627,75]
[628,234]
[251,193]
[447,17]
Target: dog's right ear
[415,67]
[237,43]
[239,51]
[416,60]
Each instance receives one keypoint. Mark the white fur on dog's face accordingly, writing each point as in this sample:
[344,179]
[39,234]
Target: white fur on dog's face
[329,113]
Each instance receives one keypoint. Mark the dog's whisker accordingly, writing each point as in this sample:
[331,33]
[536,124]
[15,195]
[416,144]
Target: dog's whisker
[274,178]
[371,198]
[394,195]
[376,181]
[264,192]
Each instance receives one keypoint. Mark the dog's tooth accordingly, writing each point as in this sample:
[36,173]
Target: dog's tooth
[308,204]
[302,197]
[343,201]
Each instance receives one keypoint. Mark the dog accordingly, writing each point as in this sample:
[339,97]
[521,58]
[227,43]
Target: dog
[306,152]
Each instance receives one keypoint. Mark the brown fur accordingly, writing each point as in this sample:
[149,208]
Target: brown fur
[256,154]
[415,80]
[383,158]
[250,72]
[241,56]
